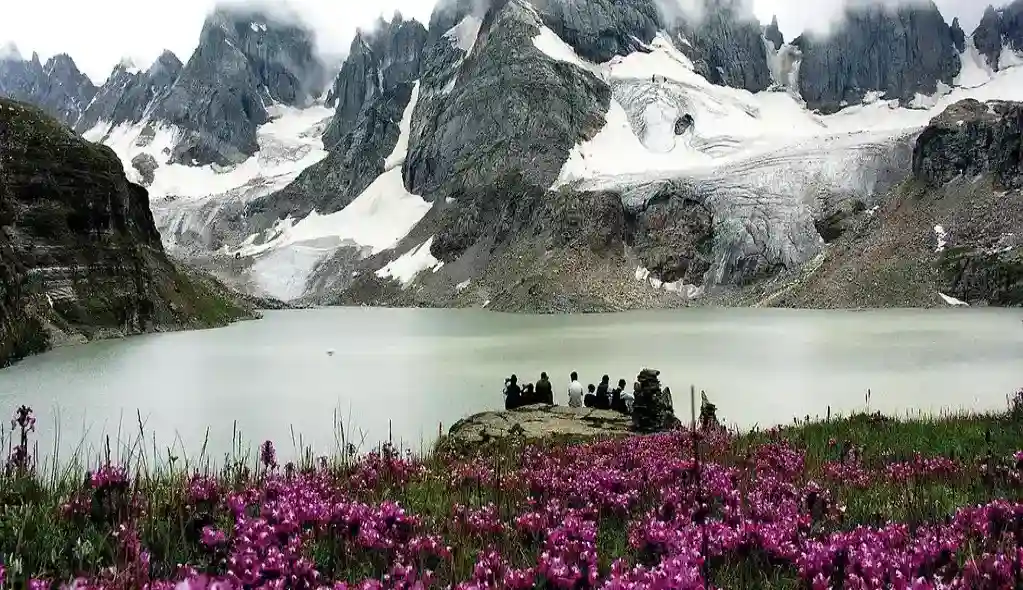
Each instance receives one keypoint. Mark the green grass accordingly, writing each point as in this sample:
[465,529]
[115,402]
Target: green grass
[33,529]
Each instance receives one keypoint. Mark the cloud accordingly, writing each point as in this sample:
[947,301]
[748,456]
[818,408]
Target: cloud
[97,34]
[798,16]
[9,51]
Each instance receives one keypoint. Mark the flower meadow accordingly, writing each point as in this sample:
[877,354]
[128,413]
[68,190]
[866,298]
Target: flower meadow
[858,502]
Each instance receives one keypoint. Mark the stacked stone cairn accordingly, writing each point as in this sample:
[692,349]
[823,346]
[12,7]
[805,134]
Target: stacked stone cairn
[653,411]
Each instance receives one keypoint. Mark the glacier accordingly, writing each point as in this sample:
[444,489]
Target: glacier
[763,163]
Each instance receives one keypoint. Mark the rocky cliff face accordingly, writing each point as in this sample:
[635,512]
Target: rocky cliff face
[897,51]
[981,260]
[57,86]
[971,138]
[954,228]
[128,95]
[459,150]
[79,253]
[726,45]
[378,62]
[369,96]
[723,40]
[999,29]
[773,34]
[244,61]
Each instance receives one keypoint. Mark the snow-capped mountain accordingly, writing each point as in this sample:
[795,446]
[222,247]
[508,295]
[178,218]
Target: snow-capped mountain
[579,155]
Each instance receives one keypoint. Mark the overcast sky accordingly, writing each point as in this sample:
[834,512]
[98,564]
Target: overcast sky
[98,33]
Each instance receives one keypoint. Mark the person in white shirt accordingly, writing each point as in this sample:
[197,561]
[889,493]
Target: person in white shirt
[629,399]
[575,392]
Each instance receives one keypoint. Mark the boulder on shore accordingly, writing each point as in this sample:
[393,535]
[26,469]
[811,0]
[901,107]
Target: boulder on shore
[538,421]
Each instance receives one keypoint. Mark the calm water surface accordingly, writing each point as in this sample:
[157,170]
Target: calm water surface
[408,372]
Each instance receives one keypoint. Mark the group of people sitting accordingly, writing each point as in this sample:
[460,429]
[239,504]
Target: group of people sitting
[601,396]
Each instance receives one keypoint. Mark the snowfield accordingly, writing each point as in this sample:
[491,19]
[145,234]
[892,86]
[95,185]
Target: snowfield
[762,163]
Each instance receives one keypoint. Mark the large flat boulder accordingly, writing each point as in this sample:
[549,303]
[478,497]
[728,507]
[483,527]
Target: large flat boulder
[538,421]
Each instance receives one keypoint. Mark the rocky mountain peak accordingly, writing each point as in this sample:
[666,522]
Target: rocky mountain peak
[773,34]
[129,94]
[958,35]
[999,29]
[244,62]
[898,51]
[379,60]
[167,63]
[58,86]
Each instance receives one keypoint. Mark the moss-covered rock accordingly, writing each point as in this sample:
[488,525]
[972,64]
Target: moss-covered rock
[79,252]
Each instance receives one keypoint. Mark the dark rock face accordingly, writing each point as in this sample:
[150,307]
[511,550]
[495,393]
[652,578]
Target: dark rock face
[377,63]
[602,29]
[971,138]
[998,28]
[653,410]
[370,94]
[146,166]
[460,150]
[958,36]
[773,34]
[243,61]
[78,248]
[127,96]
[674,236]
[727,46]
[836,222]
[57,86]
[900,52]
[594,221]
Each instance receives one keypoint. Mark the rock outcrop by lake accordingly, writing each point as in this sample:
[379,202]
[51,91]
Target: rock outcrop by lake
[653,412]
[537,422]
[955,228]
[80,256]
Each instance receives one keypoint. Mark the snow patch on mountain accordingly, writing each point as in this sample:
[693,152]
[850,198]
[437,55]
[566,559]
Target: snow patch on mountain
[406,267]
[375,221]
[974,70]
[288,144]
[464,34]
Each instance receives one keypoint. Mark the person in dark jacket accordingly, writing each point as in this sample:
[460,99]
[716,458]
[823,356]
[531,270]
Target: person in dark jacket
[617,404]
[512,393]
[544,390]
[528,395]
[590,401]
[603,401]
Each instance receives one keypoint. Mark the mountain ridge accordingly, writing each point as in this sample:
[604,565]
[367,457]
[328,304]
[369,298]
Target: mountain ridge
[567,79]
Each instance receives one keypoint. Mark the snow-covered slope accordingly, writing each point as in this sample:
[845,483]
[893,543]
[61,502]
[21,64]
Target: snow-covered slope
[288,144]
[652,91]
[286,255]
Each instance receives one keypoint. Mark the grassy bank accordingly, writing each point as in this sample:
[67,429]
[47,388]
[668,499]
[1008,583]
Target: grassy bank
[858,502]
